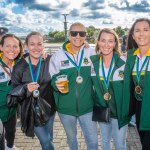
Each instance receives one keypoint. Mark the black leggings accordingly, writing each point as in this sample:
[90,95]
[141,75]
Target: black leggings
[145,137]
[10,129]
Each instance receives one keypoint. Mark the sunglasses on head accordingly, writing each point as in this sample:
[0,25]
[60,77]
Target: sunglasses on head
[75,33]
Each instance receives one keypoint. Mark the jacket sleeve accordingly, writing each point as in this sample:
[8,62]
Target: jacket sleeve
[16,76]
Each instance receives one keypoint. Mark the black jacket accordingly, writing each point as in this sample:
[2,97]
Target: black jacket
[21,75]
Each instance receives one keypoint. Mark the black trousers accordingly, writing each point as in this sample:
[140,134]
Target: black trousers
[144,135]
[145,139]
[10,130]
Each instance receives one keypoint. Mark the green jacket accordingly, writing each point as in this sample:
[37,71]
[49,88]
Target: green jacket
[79,100]
[115,88]
[129,91]
[5,112]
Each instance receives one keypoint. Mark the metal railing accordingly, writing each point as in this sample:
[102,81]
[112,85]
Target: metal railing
[51,49]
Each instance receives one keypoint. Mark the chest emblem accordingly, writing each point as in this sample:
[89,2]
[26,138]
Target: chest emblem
[86,61]
[121,73]
[64,63]
[2,75]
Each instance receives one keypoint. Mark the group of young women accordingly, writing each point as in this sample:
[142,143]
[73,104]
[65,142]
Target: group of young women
[102,78]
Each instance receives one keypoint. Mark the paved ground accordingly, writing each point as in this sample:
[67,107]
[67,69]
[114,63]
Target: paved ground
[25,143]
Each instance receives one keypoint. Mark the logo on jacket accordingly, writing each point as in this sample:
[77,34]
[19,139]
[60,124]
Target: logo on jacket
[64,63]
[121,73]
[85,61]
[2,75]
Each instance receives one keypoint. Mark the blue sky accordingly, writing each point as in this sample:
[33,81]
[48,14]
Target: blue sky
[24,16]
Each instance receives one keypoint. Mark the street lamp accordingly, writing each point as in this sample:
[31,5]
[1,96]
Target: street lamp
[65,26]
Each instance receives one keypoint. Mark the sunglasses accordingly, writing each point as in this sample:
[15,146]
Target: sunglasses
[75,33]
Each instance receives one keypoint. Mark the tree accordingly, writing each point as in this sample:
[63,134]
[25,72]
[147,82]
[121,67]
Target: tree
[91,34]
[59,37]
[119,31]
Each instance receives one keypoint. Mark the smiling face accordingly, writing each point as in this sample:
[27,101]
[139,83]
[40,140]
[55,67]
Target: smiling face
[35,46]
[10,48]
[78,40]
[106,43]
[141,34]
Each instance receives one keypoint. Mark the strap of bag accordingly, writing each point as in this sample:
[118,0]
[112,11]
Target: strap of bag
[5,70]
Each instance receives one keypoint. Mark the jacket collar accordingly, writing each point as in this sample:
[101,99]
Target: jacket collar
[95,59]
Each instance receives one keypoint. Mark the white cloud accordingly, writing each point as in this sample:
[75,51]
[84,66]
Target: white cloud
[114,14]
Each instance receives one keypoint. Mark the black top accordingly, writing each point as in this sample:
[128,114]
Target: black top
[21,75]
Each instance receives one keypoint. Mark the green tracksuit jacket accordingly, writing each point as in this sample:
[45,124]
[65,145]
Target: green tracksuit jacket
[115,89]
[129,91]
[5,113]
[79,100]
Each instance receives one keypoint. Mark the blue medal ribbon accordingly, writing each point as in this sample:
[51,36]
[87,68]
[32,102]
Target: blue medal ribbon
[78,67]
[36,75]
[107,79]
[138,71]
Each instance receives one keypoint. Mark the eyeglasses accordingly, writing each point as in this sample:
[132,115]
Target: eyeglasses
[75,33]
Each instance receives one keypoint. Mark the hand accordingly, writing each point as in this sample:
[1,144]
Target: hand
[59,86]
[32,86]
[124,54]
[44,55]
[87,45]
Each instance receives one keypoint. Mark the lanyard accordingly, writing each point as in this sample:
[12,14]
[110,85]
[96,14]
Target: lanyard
[107,79]
[35,75]
[78,67]
[138,71]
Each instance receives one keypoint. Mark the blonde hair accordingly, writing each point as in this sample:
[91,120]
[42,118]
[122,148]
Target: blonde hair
[77,24]
[110,31]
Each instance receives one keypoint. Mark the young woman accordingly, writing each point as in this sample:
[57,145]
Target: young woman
[12,49]
[34,72]
[73,60]
[137,77]
[107,75]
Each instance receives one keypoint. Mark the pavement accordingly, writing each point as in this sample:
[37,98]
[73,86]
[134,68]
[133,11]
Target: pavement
[60,142]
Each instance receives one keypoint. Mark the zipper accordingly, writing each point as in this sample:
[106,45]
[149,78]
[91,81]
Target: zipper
[77,109]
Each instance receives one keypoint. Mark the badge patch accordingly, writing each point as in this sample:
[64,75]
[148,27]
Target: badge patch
[85,61]
[65,63]
[121,73]
[2,75]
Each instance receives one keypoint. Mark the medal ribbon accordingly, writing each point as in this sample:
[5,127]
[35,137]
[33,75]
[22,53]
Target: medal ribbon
[78,67]
[36,75]
[107,79]
[138,72]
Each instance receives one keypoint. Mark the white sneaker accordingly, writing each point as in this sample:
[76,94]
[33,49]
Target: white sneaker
[13,148]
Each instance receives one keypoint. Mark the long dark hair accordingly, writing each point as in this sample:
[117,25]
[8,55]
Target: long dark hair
[20,43]
[131,43]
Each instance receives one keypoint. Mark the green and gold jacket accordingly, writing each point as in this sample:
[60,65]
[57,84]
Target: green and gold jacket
[116,86]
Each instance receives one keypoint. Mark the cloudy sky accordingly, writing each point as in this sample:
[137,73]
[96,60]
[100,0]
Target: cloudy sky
[23,16]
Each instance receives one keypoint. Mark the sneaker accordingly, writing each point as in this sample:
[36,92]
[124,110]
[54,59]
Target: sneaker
[13,148]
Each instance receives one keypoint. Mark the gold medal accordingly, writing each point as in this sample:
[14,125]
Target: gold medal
[36,93]
[79,79]
[138,89]
[107,96]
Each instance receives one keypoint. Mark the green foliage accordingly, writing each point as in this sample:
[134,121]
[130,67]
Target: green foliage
[119,31]
[56,36]
[92,34]
[59,37]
